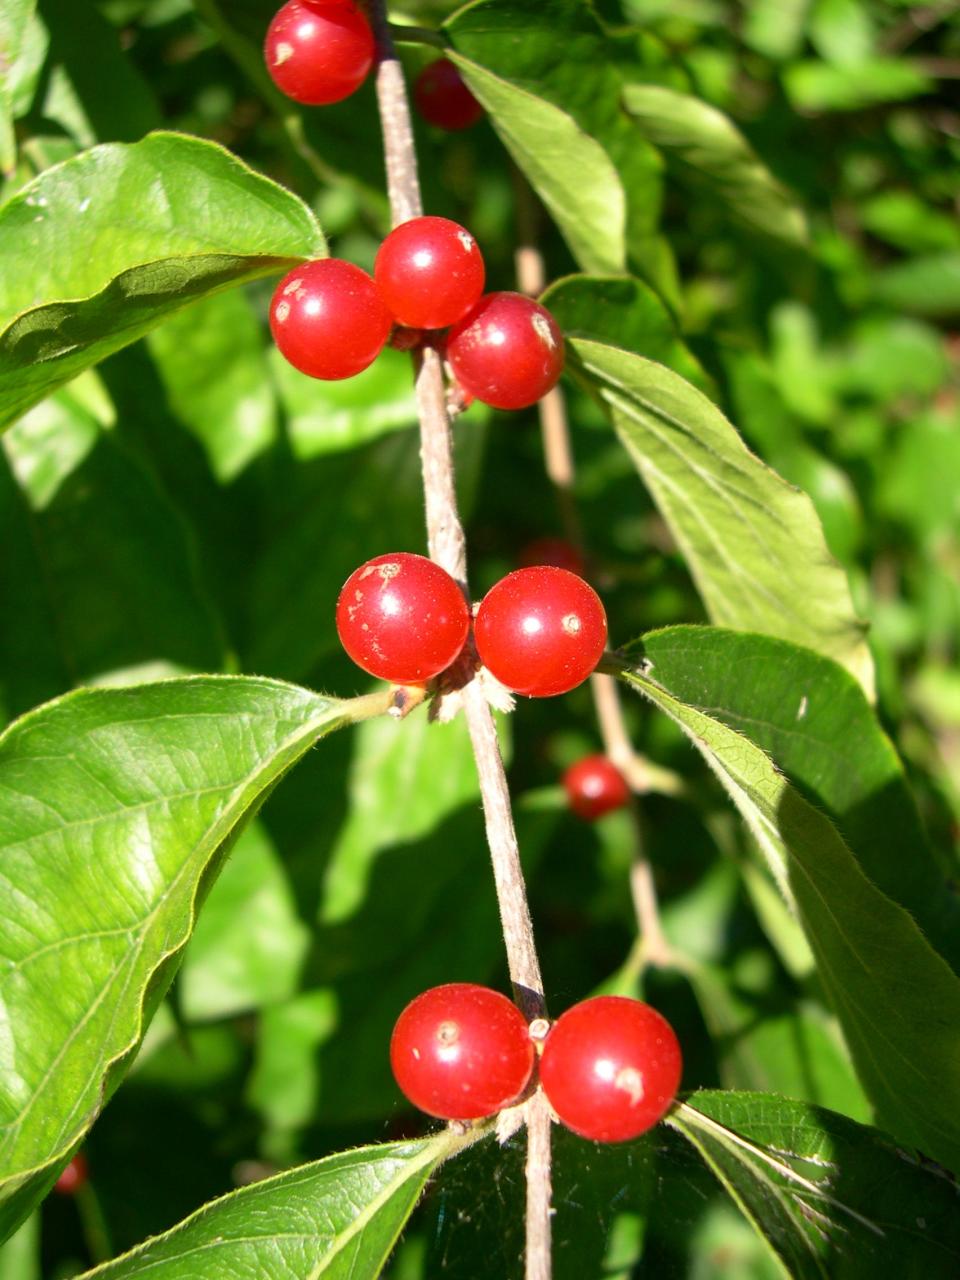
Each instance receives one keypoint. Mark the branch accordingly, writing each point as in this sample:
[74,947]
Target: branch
[447,546]
[640,774]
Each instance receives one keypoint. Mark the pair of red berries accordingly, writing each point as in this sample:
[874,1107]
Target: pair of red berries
[610,1066]
[540,630]
[321,51]
[331,320]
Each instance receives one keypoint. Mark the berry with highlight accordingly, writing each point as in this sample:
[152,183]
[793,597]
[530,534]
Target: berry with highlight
[508,351]
[541,631]
[430,272]
[595,786]
[461,1051]
[610,1068]
[328,319]
[402,618]
[319,51]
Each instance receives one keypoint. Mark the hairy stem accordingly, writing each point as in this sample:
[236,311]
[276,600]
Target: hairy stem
[447,546]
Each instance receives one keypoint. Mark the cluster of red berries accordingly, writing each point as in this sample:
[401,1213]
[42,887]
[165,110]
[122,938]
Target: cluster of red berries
[540,631]
[610,1066]
[321,51]
[331,320]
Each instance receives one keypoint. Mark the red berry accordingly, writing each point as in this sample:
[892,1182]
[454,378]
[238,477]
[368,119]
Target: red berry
[328,319]
[430,272]
[508,351]
[461,1051]
[443,99]
[319,51]
[73,1176]
[402,618]
[555,551]
[595,786]
[541,631]
[610,1068]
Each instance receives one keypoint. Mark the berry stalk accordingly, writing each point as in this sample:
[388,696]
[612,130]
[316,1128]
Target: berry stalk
[447,546]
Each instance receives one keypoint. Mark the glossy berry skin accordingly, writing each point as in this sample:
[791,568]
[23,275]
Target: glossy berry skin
[461,1051]
[402,618]
[430,272]
[556,551]
[319,51]
[442,98]
[595,786]
[610,1068]
[540,631]
[73,1176]
[328,319]
[507,351]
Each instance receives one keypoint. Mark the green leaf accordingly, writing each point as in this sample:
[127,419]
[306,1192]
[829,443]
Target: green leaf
[329,417]
[15,17]
[797,1051]
[121,236]
[120,806]
[570,171]
[709,152]
[897,1000]
[562,120]
[101,566]
[814,723]
[249,944]
[927,286]
[93,88]
[830,1197]
[752,543]
[233,415]
[338,1218]
[819,86]
[626,313]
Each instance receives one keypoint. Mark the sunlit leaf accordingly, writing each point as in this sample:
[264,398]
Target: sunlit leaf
[120,237]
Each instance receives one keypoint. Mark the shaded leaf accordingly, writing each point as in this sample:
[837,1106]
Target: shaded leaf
[626,313]
[249,943]
[752,543]
[234,413]
[101,566]
[830,1197]
[339,1218]
[897,1000]
[119,808]
[121,236]
[710,153]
